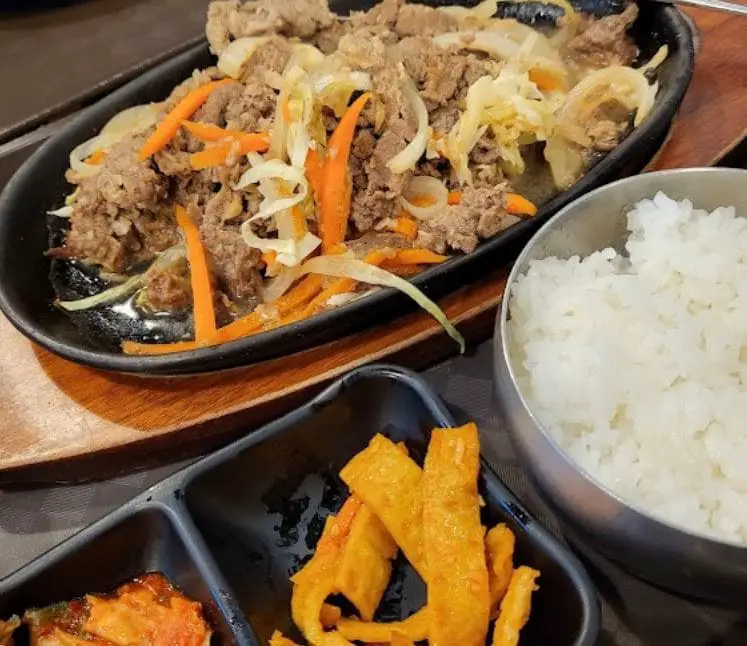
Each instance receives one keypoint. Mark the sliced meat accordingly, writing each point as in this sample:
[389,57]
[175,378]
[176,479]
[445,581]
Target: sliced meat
[377,240]
[605,134]
[123,182]
[214,109]
[383,14]
[420,20]
[230,19]
[604,41]
[168,289]
[375,197]
[253,109]
[271,56]
[235,265]
[364,50]
[480,215]
[436,71]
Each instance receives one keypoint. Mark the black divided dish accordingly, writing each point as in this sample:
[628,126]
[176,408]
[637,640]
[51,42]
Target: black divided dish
[231,529]
[26,293]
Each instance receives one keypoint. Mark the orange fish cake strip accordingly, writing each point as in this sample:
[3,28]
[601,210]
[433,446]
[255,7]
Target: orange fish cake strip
[515,607]
[365,564]
[453,537]
[389,483]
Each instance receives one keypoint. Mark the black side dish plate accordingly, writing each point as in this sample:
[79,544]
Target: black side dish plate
[26,293]
[231,529]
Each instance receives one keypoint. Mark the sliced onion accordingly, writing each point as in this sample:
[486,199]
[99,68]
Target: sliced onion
[275,288]
[349,267]
[407,159]
[657,59]
[566,161]
[307,56]
[278,245]
[479,41]
[234,57]
[86,149]
[303,249]
[483,11]
[428,187]
[334,88]
[625,85]
[135,119]
[63,212]
[275,169]
[336,300]
[130,286]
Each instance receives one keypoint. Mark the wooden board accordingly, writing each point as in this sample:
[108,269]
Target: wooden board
[65,422]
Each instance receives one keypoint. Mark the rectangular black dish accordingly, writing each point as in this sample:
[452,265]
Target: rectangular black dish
[26,295]
[230,529]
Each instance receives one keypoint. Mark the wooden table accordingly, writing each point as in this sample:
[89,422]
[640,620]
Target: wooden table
[63,421]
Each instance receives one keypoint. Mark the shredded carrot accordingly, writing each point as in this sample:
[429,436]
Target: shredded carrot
[405,226]
[454,197]
[132,347]
[341,285]
[336,249]
[270,259]
[543,80]
[166,130]
[286,111]
[518,205]
[315,173]
[417,257]
[202,293]
[337,187]
[422,200]
[209,131]
[96,158]
[217,155]
[297,297]
[299,222]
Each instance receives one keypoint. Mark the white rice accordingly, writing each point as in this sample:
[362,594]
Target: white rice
[638,365]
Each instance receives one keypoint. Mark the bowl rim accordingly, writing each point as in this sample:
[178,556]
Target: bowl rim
[564,214]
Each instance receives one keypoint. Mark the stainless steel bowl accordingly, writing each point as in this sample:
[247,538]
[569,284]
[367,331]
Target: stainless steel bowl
[651,549]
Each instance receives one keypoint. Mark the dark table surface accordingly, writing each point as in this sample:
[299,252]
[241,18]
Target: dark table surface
[65,53]
[54,62]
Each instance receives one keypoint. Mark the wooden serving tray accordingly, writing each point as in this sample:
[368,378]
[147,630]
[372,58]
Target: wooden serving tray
[62,422]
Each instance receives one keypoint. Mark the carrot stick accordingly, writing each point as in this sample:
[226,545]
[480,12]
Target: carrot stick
[270,258]
[543,80]
[132,347]
[301,294]
[340,286]
[518,205]
[166,130]
[417,257]
[96,157]
[299,222]
[202,293]
[422,200]
[210,132]
[405,226]
[515,203]
[315,173]
[337,189]
[454,197]
[217,155]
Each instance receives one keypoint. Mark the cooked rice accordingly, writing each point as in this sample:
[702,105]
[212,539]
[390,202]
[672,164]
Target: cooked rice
[637,365]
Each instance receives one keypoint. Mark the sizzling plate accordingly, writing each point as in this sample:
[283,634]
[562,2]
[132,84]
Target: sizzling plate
[26,293]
